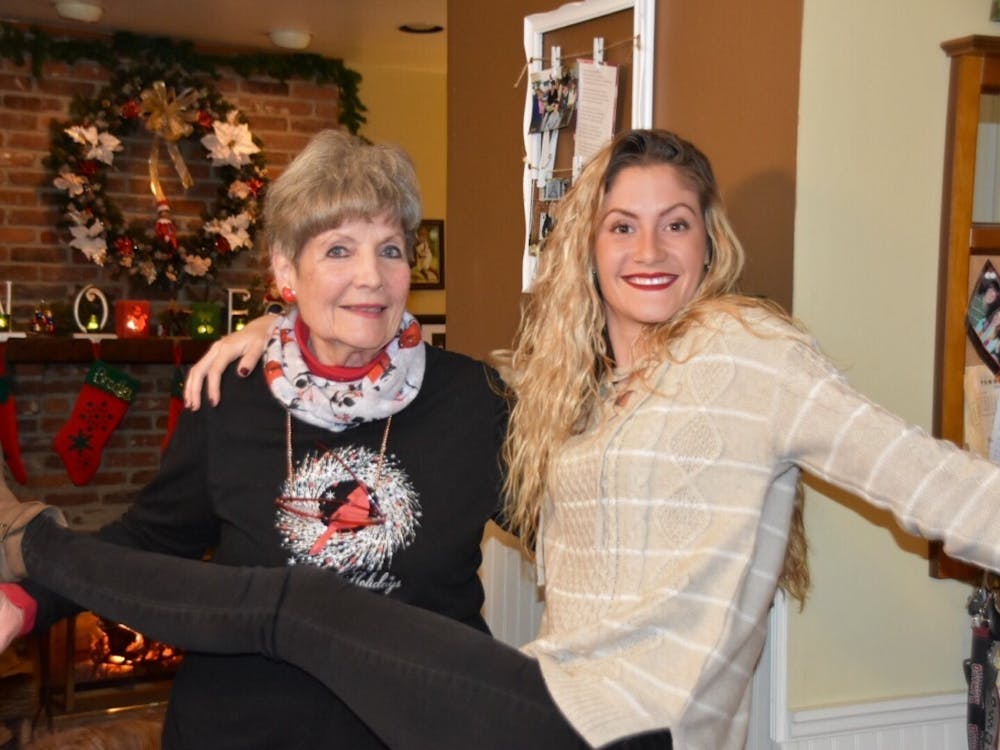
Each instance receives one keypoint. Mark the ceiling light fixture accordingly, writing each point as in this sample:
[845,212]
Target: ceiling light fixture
[290,38]
[421,28]
[79,10]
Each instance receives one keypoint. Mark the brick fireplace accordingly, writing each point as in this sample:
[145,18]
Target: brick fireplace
[35,257]
[91,664]
[49,371]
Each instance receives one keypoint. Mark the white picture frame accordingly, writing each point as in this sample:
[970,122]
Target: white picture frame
[535,28]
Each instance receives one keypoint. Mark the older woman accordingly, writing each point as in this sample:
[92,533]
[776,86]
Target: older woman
[660,426]
[356,448]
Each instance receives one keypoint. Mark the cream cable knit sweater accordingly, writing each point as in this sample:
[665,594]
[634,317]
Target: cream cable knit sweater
[665,531]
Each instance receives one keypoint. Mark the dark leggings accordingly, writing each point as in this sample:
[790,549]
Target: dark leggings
[418,679]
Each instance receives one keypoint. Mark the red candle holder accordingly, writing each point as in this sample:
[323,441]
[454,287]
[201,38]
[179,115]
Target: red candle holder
[132,318]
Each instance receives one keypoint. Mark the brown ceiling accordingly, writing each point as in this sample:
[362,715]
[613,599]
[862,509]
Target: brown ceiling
[360,32]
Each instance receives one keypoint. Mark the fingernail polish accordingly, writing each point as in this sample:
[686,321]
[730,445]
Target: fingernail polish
[243,371]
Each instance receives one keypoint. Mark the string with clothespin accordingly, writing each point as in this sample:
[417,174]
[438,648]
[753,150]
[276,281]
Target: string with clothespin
[544,169]
[633,40]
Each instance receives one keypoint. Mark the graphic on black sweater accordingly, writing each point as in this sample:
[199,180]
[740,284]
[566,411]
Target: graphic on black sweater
[339,511]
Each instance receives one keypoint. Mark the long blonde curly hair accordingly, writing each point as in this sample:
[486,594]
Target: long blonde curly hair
[561,352]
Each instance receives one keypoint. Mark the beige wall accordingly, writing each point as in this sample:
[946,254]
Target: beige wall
[873,95]
[410,108]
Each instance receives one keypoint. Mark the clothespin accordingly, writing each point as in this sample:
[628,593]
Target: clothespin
[556,58]
[599,50]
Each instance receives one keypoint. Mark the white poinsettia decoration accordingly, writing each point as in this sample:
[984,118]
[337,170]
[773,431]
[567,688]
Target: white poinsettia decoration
[231,142]
[148,271]
[90,241]
[78,217]
[195,265]
[99,145]
[239,190]
[235,230]
[70,182]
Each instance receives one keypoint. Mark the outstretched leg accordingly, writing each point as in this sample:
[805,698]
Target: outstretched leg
[418,679]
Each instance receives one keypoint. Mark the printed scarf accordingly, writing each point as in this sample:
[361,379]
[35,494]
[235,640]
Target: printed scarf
[388,385]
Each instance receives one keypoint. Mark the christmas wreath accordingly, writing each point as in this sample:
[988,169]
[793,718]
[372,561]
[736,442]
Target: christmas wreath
[171,107]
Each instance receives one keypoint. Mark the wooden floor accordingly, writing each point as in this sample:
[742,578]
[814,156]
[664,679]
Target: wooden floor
[130,728]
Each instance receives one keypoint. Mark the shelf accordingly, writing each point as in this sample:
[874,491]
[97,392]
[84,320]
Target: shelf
[984,239]
[37,348]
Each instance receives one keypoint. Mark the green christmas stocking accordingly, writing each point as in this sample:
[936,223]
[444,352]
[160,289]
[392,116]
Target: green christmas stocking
[99,409]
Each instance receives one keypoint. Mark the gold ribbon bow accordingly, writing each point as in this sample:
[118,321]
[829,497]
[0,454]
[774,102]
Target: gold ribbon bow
[168,117]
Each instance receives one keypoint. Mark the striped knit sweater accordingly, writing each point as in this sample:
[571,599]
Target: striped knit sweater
[665,529]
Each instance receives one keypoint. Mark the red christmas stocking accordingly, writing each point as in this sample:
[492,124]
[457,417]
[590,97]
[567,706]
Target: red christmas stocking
[99,408]
[8,423]
[175,408]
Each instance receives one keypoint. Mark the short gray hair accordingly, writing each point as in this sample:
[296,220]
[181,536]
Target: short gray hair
[339,177]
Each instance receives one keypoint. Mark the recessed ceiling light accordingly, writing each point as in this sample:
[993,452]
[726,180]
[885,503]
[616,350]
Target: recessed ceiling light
[290,38]
[421,28]
[79,10]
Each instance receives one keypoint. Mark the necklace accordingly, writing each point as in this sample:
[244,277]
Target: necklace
[381,452]
[340,508]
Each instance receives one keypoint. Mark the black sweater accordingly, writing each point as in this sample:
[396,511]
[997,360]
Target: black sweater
[216,492]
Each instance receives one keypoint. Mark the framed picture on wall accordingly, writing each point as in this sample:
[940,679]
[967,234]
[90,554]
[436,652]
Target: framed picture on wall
[433,328]
[428,268]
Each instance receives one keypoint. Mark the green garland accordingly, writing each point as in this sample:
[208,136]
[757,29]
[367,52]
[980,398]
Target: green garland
[163,58]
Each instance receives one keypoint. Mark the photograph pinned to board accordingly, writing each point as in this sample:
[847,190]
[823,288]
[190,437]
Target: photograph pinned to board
[549,193]
[428,267]
[553,100]
[542,223]
[982,317]
[596,105]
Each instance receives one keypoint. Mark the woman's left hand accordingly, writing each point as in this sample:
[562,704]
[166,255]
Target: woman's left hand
[247,345]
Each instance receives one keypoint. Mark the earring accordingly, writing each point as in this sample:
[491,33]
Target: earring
[288,294]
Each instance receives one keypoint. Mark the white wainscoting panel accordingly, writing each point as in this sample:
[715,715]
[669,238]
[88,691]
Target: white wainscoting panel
[513,607]
[935,722]
[927,723]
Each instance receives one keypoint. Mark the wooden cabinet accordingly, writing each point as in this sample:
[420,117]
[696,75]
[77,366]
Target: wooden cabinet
[966,245]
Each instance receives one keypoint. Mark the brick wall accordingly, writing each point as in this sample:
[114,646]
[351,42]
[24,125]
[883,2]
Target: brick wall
[36,258]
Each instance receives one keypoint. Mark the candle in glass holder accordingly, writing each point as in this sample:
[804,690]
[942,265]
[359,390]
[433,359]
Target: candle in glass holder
[132,318]
[205,321]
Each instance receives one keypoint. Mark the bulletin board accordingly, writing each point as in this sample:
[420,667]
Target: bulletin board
[617,33]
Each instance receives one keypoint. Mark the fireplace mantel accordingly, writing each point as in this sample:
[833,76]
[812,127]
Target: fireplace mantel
[47,349]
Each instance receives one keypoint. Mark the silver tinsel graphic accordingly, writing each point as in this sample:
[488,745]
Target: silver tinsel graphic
[360,555]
